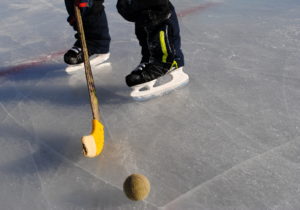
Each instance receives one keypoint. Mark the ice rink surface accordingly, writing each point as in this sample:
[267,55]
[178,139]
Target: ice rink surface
[229,140]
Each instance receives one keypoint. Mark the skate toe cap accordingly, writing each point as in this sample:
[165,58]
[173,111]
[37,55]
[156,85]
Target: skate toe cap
[133,79]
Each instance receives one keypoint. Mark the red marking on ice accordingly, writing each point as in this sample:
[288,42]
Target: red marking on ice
[192,10]
[45,59]
[32,63]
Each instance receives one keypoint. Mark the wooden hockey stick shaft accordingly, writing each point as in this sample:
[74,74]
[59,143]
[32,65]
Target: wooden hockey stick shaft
[87,66]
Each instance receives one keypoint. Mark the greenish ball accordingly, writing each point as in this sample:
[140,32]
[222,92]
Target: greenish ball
[136,187]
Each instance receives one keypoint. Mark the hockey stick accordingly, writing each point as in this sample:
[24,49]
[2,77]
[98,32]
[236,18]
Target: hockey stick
[93,143]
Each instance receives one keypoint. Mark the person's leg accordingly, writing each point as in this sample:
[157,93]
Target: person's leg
[141,35]
[157,29]
[161,45]
[96,29]
[175,36]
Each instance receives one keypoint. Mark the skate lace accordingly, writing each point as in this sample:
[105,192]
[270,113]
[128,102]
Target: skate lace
[141,66]
[77,50]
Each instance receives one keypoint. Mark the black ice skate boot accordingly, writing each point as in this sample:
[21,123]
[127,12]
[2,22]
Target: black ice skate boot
[146,80]
[74,57]
[147,72]
[162,61]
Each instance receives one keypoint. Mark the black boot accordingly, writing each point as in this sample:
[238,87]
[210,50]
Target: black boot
[147,72]
[162,54]
[74,56]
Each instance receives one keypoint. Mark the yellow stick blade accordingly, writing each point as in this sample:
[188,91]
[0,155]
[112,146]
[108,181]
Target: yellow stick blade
[93,143]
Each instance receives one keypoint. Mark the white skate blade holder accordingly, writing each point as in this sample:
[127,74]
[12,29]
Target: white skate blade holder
[148,90]
[95,60]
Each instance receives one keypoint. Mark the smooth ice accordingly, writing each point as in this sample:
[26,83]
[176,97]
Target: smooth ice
[228,140]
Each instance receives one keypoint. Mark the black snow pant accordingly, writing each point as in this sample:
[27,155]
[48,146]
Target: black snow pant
[95,25]
[156,27]
[173,37]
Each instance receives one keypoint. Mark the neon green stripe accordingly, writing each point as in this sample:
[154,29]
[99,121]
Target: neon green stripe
[175,64]
[163,46]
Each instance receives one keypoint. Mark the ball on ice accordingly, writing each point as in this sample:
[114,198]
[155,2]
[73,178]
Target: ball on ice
[136,187]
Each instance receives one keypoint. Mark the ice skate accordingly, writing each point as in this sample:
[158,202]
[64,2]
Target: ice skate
[158,35]
[150,80]
[74,57]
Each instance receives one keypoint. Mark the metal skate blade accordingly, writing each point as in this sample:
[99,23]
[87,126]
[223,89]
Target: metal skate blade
[95,61]
[161,86]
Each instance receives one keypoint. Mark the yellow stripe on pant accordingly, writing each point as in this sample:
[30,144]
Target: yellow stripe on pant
[163,46]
